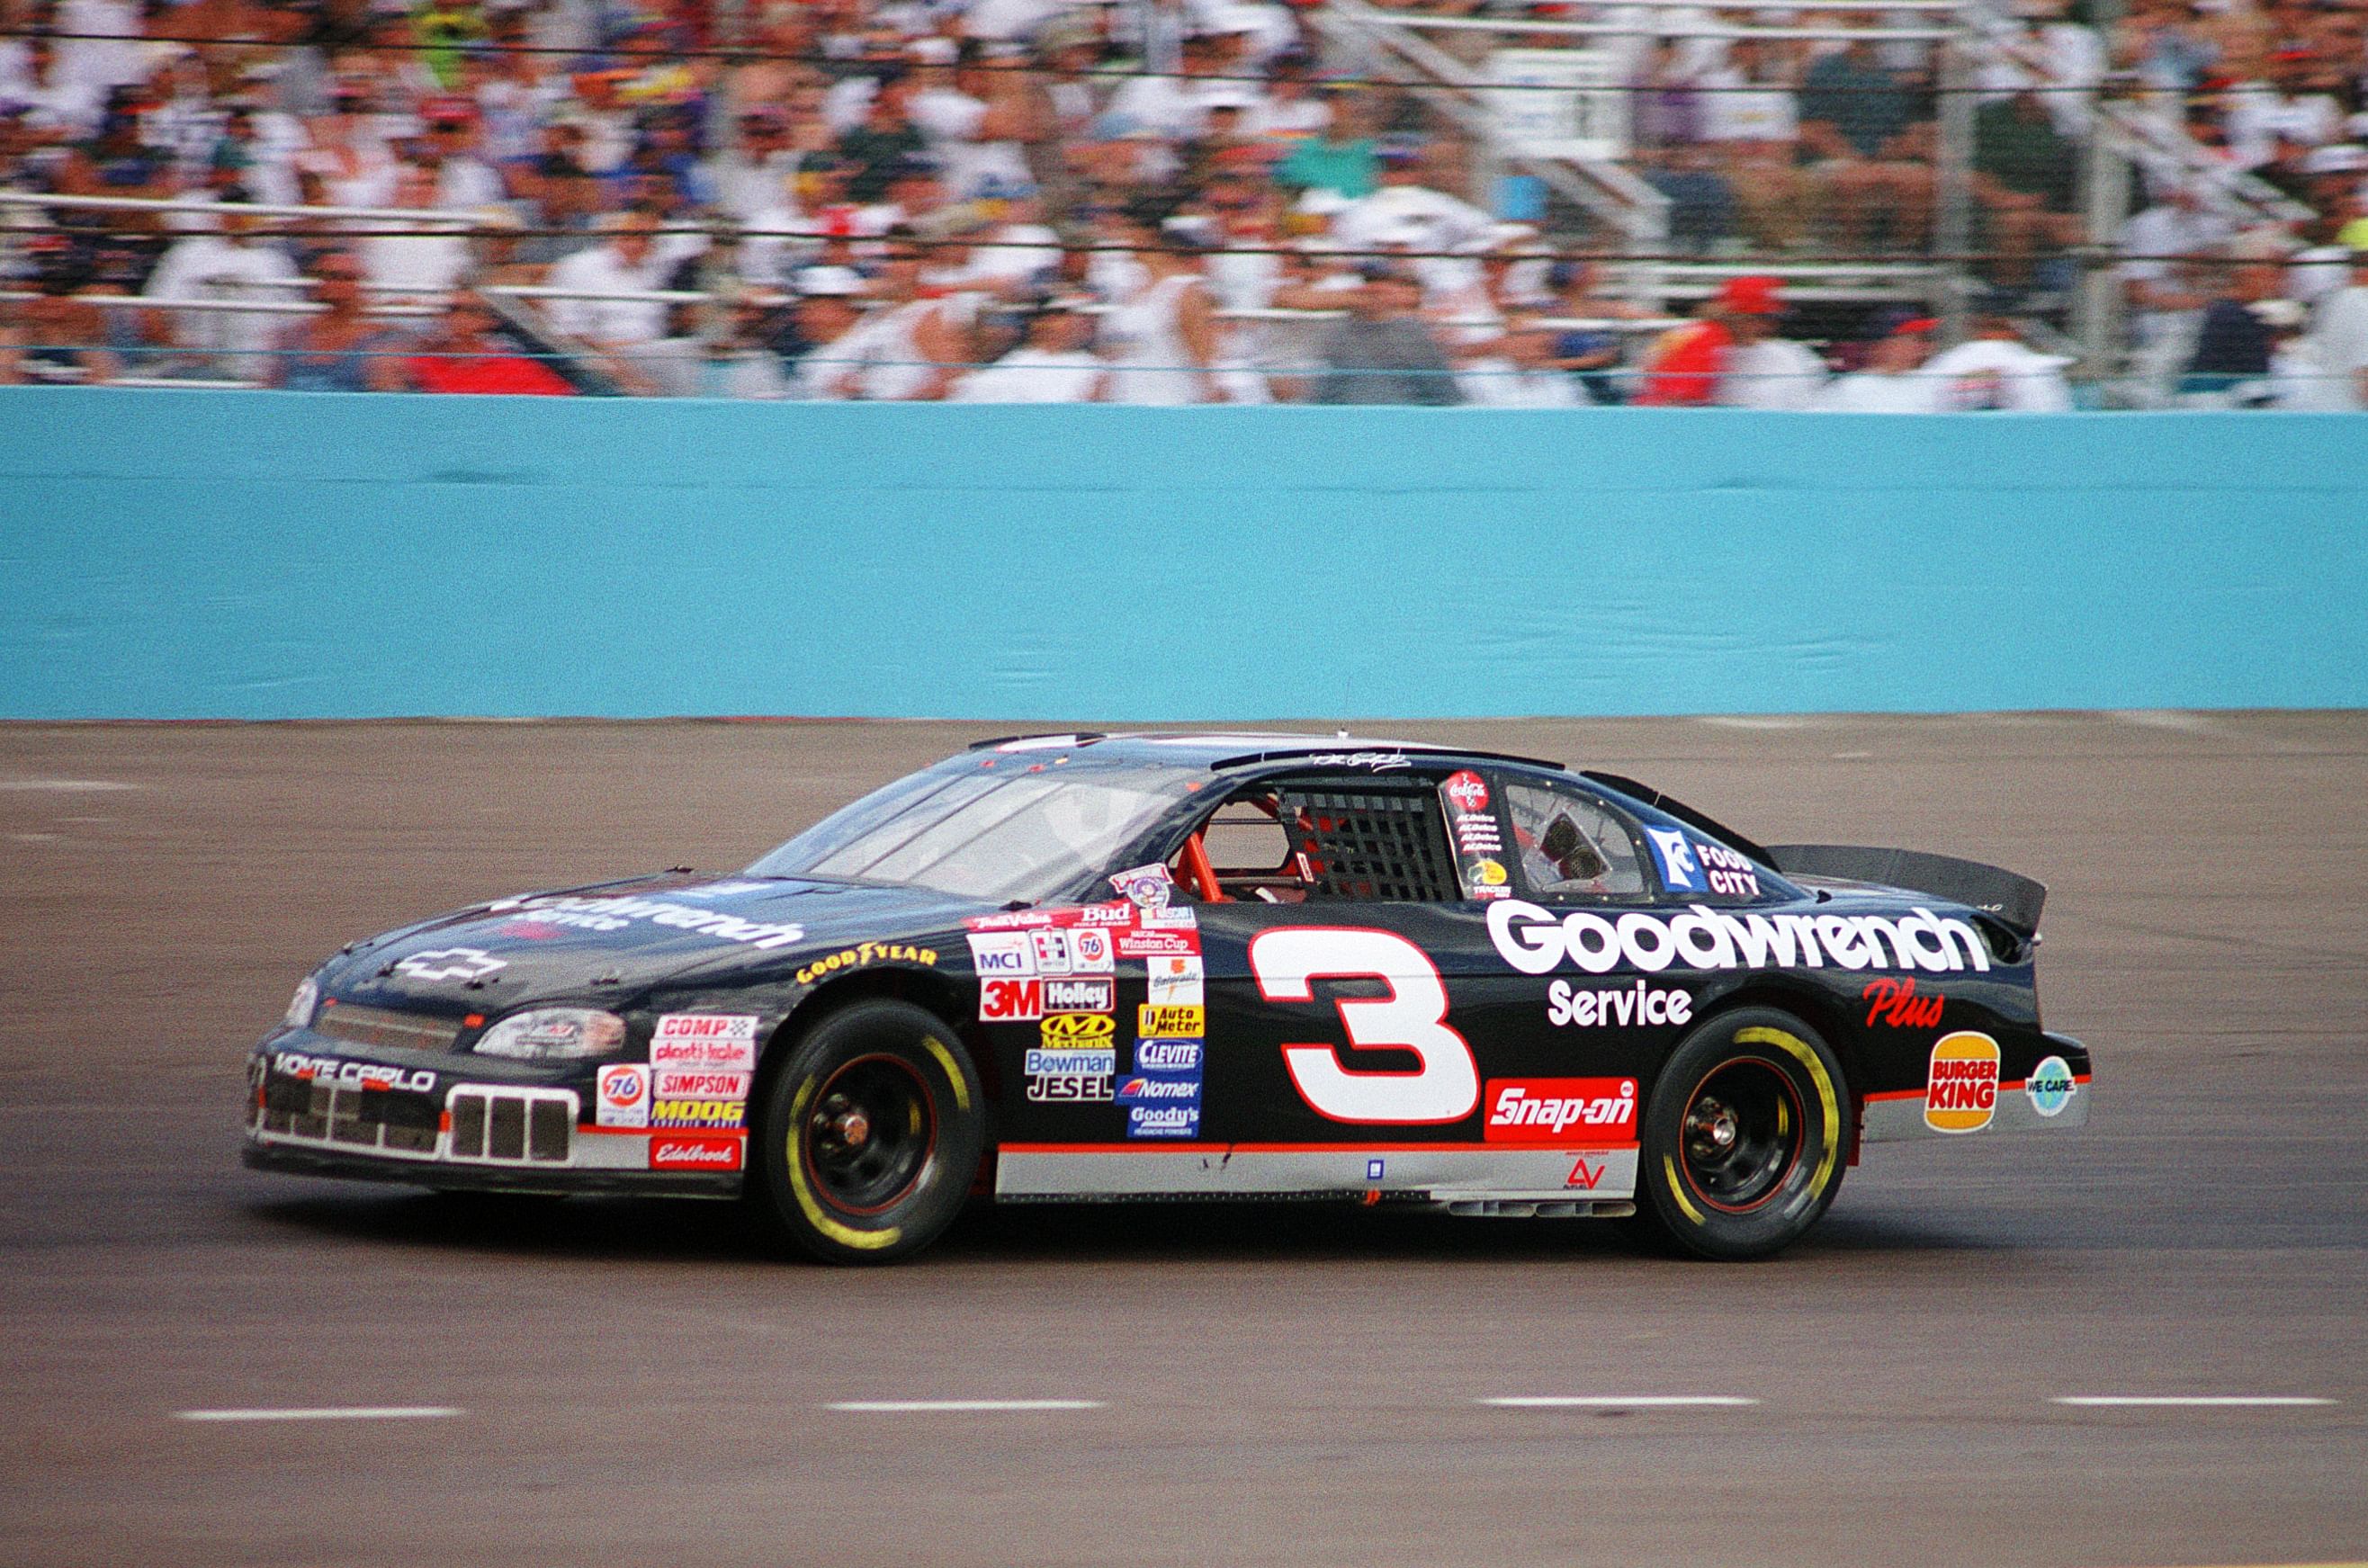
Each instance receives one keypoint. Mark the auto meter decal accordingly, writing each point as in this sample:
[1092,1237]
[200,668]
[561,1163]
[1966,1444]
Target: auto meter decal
[1572,1112]
[1961,1092]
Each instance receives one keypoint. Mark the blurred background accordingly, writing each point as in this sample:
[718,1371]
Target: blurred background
[1929,205]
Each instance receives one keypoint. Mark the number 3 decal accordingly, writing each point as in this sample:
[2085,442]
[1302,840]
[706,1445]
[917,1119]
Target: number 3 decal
[1412,1017]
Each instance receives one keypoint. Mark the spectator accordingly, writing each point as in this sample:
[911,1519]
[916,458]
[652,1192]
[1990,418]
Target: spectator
[829,311]
[1734,355]
[2025,175]
[1384,351]
[1164,332]
[468,355]
[884,142]
[1891,381]
[1055,365]
[2298,382]
[733,359]
[61,339]
[1997,371]
[1342,158]
[911,348]
[430,258]
[2235,341]
[1867,122]
[1519,370]
[608,274]
[340,349]
[234,264]
[2159,285]
[1752,119]
[2339,336]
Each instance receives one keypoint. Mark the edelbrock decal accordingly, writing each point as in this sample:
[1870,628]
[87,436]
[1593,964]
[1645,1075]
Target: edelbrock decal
[1536,940]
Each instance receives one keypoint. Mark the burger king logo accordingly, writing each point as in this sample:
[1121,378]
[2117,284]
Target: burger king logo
[1961,1091]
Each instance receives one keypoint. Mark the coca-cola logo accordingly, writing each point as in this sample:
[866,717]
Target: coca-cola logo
[1469,792]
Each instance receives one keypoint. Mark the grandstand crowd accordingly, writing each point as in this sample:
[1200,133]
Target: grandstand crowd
[1151,202]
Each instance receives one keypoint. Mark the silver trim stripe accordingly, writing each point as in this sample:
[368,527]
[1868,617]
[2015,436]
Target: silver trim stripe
[1447,1175]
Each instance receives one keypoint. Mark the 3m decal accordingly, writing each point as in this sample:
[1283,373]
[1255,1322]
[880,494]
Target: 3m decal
[691,1151]
[1167,1055]
[1896,1003]
[1075,995]
[864,953]
[705,1040]
[1468,791]
[1010,1001]
[1681,872]
[1288,960]
[1078,1029]
[1625,1006]
[1170,1023]
[2051,1086]
[1593,1111]
[451,963]
[621,1097]
[1536,940]
[995,953]
[1960,1093]
[701,1082]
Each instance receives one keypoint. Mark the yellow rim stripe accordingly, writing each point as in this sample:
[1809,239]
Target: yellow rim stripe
[1677,1189]
[1825,1095]
[946,1059]
[845,1235]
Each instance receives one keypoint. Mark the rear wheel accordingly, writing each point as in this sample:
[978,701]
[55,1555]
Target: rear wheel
[870,1134]
[1743,1136]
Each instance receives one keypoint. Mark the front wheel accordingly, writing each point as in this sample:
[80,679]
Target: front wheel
[869,1133]
[1743,1136]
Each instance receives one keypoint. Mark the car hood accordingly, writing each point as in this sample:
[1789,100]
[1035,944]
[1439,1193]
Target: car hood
[627,937]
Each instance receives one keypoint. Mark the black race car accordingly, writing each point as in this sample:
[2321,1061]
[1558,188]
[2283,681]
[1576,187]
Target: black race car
[1087,968]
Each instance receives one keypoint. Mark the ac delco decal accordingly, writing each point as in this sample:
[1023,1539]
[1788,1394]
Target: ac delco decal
[697,1113]
[694,1151]
[1078,1029]
[1960,1094]
[1589,1111]
[1010,1001]
[1078,995]
[1170,1023]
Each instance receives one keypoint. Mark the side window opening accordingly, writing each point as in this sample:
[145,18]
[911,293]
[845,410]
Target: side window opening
[1571,845]
[1300,841]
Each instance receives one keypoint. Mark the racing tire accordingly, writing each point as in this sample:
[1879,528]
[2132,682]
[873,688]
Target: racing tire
[869,1135]
[1745,1137]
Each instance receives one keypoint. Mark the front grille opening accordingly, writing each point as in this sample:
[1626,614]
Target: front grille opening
[468,1127]
[550,1127]
[378,1027]
[513,1126]
[505,1128]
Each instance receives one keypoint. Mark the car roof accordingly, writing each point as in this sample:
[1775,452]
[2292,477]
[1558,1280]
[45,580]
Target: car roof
[1222,750]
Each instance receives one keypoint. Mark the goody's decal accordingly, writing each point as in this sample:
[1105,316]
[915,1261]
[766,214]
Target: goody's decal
[1681,872]
[1163,1121]
[1536,940]
[2051,1086]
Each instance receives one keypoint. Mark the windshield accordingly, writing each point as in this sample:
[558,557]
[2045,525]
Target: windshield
[992,835]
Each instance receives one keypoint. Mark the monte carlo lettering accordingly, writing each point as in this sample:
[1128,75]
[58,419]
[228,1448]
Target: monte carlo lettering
[1536,941]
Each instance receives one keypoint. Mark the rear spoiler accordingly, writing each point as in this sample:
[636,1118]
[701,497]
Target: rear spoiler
[2015,900]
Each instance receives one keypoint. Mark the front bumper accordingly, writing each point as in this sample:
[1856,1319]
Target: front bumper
[434,1120]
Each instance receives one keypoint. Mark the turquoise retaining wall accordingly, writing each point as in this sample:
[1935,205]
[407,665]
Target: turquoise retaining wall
[274,555]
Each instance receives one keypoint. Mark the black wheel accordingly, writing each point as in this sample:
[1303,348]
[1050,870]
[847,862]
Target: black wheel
[869,1134]
[1743,1136]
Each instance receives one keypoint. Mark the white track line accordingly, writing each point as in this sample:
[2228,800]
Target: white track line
[326,1413]
[901,1406]
[1617,1401]
[2190,1400]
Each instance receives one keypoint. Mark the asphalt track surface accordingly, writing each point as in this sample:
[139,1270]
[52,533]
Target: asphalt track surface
[641,1382]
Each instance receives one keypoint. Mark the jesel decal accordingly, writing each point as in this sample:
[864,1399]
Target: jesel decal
[1535,940]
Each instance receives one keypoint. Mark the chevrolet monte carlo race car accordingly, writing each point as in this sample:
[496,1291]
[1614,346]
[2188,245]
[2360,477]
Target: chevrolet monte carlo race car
[1090,968]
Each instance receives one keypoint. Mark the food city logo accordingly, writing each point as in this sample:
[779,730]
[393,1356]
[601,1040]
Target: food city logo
[1536,940]
[330,1070]
[451,963]
[1897,1004]
[2051,1086]
[1961,1091]
[1544,1111]
[658,911]
[864,953]
[1093,1030]
[705,1040]
[693,1152]
[1568,1006]
[621,1096]
[1694,865]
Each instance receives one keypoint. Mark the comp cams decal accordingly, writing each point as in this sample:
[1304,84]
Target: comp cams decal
[1536,940]
[705,1040]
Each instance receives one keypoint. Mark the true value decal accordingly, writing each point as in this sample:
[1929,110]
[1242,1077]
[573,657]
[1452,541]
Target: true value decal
[1536,940]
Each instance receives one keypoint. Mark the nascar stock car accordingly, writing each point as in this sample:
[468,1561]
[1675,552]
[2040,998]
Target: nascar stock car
[1095,967]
